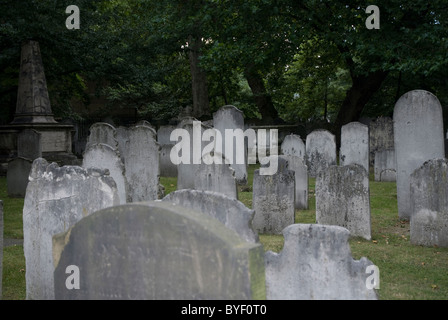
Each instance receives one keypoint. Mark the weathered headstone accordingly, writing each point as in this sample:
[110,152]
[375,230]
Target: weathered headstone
[354,145]
[231,118]
[141,162]
[231,212]
[418,137]
[29,144]
[154,251]
[343,199]
[216,177]
[164,133]
[273,199]
[429,204]
[102,132]
[320,151]
[381,135]
[316,264]
[17,177]
[167,168]
[1,248]
[103,156]
[297,164]
[385,165]
[56,198]
[293,145]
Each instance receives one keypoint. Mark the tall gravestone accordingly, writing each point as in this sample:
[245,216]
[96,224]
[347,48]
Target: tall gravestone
[297,164]
[231,212]
[57,198]
[141,162]
[381,135]
[1,248]
[343,199]
[293,145]
[354,145]
[231,118]
[103,156]
[418,137]
[316,264]
[157,250]
[429,204]
[273,199]
[320,151]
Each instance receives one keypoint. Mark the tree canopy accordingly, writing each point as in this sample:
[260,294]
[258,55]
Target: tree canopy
[277,60]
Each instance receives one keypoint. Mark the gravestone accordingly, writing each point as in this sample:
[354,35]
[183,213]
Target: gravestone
[385,165]
[231,118]
[354,145]
[142,164]
[1,247]
[297,164]
[216,177]
[167,168]
[29,144]
[381,136]
[103,156]
[164,133]
[429,204]
[316,264]
[231,212]
[157,250]
[102,132]
[418,137]
[342,199]
[320,151]
[293,145]
[17,177]
[56,198]
[274,199]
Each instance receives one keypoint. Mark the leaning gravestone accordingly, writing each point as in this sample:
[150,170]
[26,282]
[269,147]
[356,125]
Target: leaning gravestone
[157,250]
[56,198]
[29,144]
[216,177]
[297,164]
[273,199]
[293,145]
[103,156]
[1,247]
[231,212]
[102,132]
[385,165]
[141,160]
[354,145]
[418,137]
[17,177]
[429,204]
[320,151]
[316,264]
[231,118]
[342,199]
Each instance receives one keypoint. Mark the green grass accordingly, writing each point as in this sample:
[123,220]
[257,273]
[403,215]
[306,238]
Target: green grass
[407,272]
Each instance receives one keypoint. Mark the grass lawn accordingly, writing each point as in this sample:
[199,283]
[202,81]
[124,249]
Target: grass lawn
[407,271]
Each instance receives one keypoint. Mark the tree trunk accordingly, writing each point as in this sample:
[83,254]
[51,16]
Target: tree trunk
[262,99]
[201,105]
[357,96]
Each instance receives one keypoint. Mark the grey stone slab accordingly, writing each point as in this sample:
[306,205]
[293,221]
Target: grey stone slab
[429,204]
[29,144]
[231,118]
[231,212]
[103,156]
[17,177]
[343,199]
[385,165]
[102,132]
[167,168]
[293,145]
[354,145]
[320,151]
[297,164]
[381,136]
[164,133]
[157,250]
[418,137]
[273,200]
[316,264]
[57,198]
